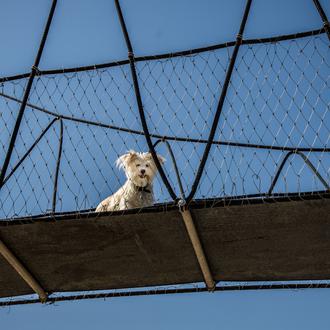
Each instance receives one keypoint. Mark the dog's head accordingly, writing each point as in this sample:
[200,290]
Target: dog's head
[139,167]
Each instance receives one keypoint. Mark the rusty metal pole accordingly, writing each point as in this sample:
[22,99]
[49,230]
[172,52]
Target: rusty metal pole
[22,271]
[197,246]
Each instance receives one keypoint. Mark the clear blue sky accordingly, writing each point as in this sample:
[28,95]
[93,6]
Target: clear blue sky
[87,32]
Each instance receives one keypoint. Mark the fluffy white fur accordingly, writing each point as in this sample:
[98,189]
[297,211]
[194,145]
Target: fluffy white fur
[137,191]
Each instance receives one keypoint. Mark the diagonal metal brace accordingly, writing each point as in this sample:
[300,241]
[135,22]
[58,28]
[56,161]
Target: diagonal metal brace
[197,245]
[22,271]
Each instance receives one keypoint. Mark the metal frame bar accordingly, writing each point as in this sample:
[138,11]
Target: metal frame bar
[176,170]
[58,163]
[166,137]
[323,17]
[238,200]
[28,151]
[160,291]
[22,271]
[33,73]
[169,55]
[221,102]
[198,248]
[139,101]
[306,160]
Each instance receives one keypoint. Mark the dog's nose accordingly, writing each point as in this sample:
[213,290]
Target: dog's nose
[143,171]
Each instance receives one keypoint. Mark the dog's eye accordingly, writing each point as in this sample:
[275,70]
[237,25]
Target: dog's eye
[137,165]
[147,165]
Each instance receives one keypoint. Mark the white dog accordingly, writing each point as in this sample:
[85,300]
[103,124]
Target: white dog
[137,191]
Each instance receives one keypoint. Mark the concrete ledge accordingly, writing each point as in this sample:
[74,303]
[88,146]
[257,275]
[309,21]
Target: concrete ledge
[288,240]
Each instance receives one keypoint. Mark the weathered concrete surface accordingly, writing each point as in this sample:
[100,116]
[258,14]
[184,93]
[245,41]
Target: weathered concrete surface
[279,241]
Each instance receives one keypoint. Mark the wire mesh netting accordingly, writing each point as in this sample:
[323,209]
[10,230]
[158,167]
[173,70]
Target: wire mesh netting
[272,137]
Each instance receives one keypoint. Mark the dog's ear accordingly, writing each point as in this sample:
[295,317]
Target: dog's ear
[126,158]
